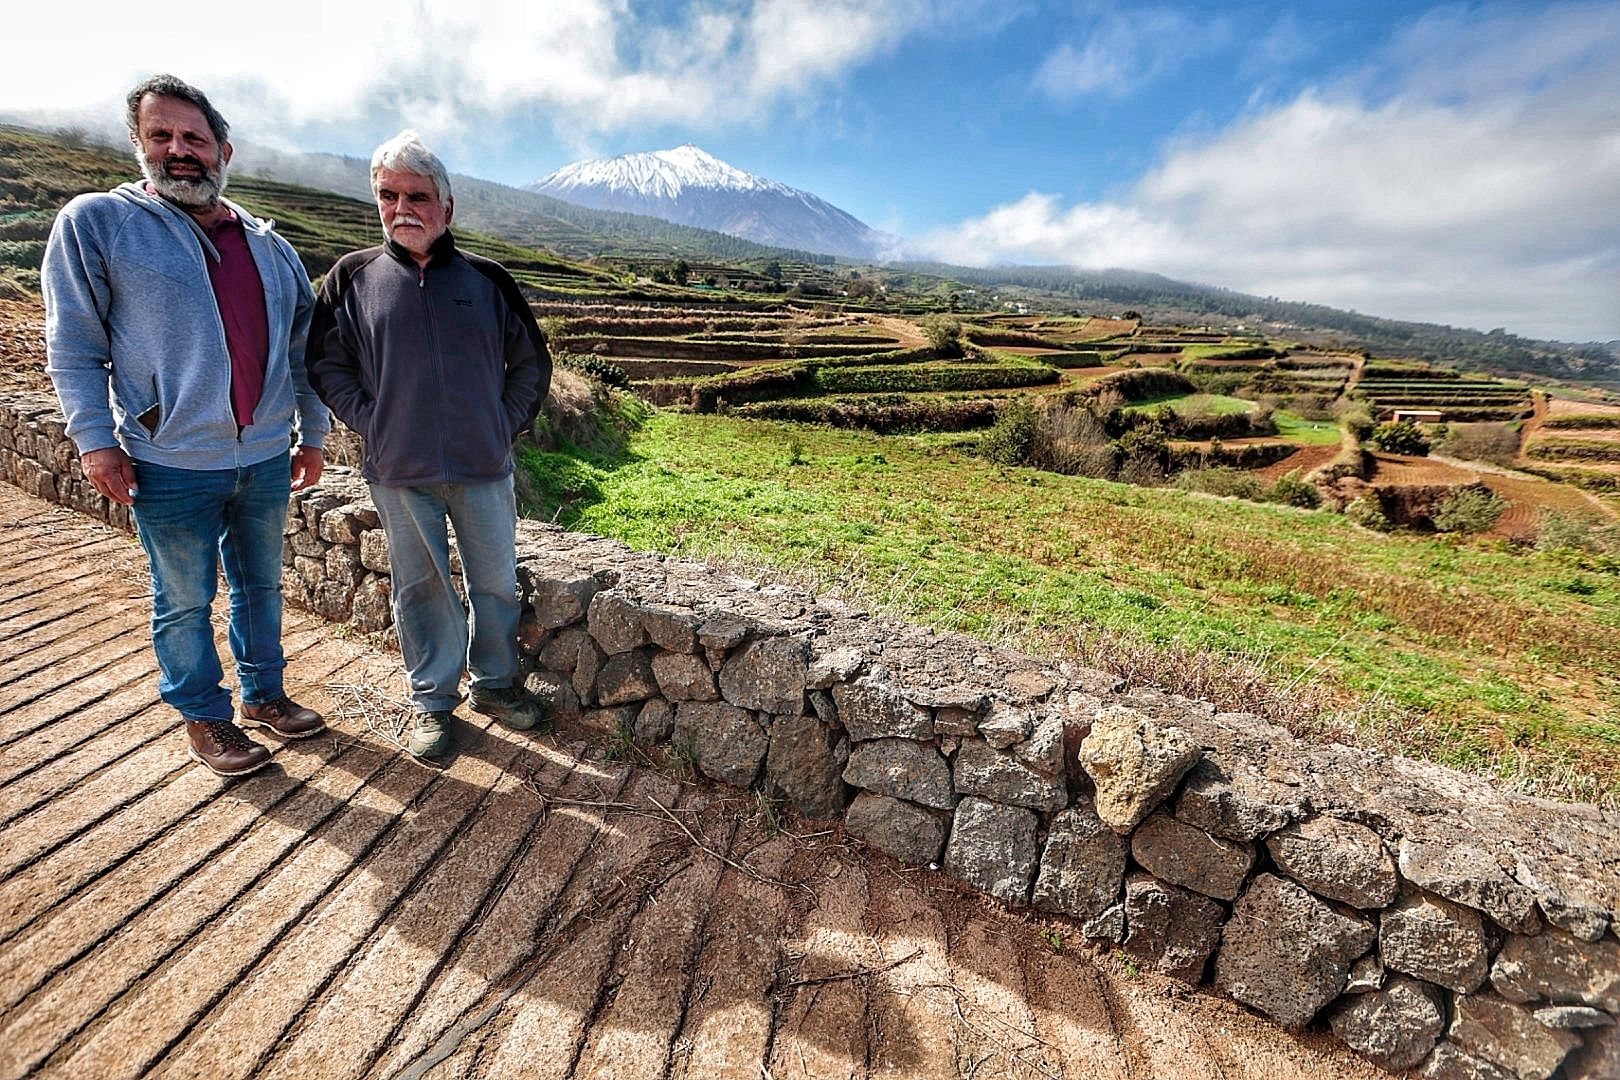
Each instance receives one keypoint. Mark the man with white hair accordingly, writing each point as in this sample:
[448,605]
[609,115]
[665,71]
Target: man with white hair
[174,334]
[432,355]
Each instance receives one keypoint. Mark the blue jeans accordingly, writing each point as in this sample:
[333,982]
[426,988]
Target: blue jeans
[191,521]
[434,637]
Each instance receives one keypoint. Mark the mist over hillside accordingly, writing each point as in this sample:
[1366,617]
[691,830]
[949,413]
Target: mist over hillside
[534,220]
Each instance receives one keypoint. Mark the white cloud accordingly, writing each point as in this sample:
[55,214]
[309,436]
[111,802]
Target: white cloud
[446,67]
[1487,197]
[1118,52]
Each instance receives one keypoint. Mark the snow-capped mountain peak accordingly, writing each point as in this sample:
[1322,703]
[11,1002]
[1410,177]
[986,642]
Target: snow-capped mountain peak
[690,186]
[660,174]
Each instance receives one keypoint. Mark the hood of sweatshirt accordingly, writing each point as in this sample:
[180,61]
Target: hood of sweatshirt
[135,192]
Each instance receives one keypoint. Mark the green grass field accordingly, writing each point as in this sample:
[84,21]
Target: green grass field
[1295,428]
[1469,654]
[1195,404]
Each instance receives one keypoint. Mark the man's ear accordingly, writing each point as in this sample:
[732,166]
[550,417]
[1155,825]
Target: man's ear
[225,152]
[449,209]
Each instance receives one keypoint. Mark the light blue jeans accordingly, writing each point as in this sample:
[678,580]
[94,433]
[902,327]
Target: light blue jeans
[191,521]
[435,639]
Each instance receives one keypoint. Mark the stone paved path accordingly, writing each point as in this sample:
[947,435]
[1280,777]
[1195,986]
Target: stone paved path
[534,909]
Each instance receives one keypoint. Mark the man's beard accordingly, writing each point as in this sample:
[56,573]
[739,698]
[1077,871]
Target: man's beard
[200,193]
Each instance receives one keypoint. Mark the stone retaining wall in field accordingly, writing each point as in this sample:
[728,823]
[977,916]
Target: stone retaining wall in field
[1433,922]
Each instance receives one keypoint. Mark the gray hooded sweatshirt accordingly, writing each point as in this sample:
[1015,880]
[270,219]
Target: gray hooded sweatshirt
[132,331]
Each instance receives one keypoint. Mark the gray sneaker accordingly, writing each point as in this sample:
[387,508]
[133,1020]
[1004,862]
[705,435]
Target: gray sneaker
[430,734]
[509,705]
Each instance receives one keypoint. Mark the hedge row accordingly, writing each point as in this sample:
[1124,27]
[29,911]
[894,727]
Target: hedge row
[883,417]
[1571,450]
[925,378]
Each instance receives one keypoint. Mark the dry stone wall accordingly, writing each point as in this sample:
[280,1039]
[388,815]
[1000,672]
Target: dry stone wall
[1432,922]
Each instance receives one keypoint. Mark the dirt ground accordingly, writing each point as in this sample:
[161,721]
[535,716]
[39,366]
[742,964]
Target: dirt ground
[534,908]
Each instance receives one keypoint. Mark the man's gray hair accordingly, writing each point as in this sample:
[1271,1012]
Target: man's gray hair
[405,153]
[172,87]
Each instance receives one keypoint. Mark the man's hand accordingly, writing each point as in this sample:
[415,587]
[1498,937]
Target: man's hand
[307,463]
[110,472]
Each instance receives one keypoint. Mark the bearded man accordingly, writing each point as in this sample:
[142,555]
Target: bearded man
[432,355]
[175,325]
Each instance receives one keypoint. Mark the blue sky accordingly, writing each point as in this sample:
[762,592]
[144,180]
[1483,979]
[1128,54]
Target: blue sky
[1454,163]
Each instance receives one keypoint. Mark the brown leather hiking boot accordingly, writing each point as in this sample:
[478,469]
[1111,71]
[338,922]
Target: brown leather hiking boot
[222,748]
[285,717]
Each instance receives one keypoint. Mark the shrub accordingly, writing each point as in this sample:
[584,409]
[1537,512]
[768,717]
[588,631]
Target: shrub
[1365,511]
[604,371]
[1073,438]
[1293,489]
[1141,469]
[1469,510]
[944,333]
[1220,481]
[1400,437]
[1359,422]
[1557,530]
[1495,443]
[1011,439]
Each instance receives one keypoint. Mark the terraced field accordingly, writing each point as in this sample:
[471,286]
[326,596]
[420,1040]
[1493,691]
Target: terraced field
[1576,442]
[1390,386]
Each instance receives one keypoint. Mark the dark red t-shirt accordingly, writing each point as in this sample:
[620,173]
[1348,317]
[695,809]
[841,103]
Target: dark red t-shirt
[240,296]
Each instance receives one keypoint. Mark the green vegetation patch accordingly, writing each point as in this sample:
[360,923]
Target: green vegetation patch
[1437,626]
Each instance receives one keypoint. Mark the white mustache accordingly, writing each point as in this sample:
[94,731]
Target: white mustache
[406,219]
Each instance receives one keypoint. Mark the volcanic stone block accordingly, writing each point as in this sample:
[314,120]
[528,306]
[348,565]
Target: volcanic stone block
[1507,1035]
[1337,859]
[1286,952]
[1083,867]
[1572,1017]
[587,665]
[684,677]
[828,669]
[1449,1063]
[992,847]
[1366,975]
[655,722]
[625,678]
[872,708]
[308,545]
[727,743]
[897,828]
[1135,762]
[1436,940]
[902,769]
[1557,966]
[1395,1027]
[1467,874]
[1006,725]
[615,623]
[670,627]
[767,674]
[981,770]
[558,602]
[343,524]
[373,600]
[805,765]
[343,563]
[723,632]
[1043,749]
[561,652]
[374,551]
[1174,851]
[1172,928]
